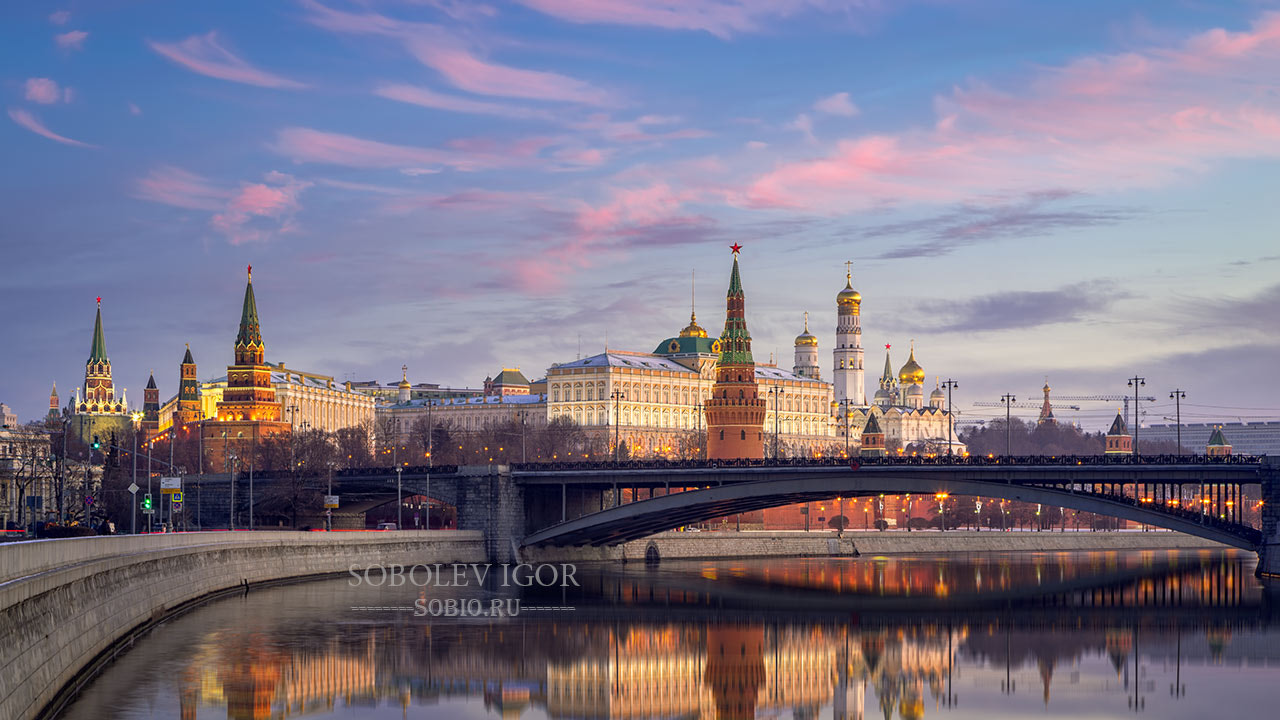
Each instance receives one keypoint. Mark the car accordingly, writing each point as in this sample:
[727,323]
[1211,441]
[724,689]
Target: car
[387,526]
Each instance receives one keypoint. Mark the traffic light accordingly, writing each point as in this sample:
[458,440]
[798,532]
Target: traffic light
[96,444]
[146,502]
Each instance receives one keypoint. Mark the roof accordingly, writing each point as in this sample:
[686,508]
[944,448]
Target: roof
[687,345]
[872,426]
[187,359]
[1118,426]
[1217,439]
[250,330]
[769,372]
[98,351]
[151,382]
[510,377]
[640,361]
[481,400]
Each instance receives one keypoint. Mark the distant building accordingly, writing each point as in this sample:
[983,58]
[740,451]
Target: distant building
[1118,439]
[8,418]
[1218,445]
[1247,438]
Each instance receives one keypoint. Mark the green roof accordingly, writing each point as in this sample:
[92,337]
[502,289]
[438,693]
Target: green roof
[872,426]
[151,382]
[685,346]
[98,352]
[1217,439]
[187,359]
[250,331]
[510,377]
[735,341]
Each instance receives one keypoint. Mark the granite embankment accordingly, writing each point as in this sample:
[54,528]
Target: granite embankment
[67,605]
[729,544]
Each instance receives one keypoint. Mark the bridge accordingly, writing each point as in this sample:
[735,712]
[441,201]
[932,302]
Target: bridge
[584,503]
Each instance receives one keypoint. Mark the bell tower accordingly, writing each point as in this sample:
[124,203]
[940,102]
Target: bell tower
[848,371]
[735,412]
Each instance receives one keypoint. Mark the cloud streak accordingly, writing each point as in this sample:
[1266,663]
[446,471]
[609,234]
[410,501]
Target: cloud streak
[205,55]
[1019,310]
[251,212]
[722,18]
[45,91]
[31,122]
[73,40]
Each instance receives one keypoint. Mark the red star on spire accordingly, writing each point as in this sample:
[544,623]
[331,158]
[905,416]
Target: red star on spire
[99,299]
[735,248]
[886,346]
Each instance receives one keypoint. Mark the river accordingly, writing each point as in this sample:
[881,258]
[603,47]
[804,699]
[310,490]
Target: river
[1168,634]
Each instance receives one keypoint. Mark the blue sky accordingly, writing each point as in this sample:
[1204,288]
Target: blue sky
[1074,190]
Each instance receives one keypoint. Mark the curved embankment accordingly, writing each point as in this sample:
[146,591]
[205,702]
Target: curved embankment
[749,543]
[65,604]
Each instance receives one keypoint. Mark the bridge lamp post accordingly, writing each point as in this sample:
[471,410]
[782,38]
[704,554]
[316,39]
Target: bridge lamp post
[231,460]
[777,393]
[1178,396]
[399,499]
[328,512]
[949,385]
[942,507]
[618,396]
[1136,382]
[1008,399]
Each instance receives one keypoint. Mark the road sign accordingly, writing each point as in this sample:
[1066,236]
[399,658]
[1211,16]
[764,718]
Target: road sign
[177,507]
[148,510]
[35,502]
[177,498]
[331,501]
[170,485]
[133,488]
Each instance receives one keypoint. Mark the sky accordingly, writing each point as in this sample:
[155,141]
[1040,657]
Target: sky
[1082,192]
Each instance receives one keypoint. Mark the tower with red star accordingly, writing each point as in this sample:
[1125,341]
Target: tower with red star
[735,412]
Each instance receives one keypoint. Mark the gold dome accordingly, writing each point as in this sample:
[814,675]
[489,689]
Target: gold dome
[806,339]
[693,329]
[404,378]
[911,372]
[849,296]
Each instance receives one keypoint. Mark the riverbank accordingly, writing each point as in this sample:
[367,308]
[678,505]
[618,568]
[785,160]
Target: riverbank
[751,544]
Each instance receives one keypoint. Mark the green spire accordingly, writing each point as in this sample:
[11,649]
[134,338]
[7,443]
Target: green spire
[735,341]
[250,332]
[1217,439]
[887,378]
[187,359]
[98,353]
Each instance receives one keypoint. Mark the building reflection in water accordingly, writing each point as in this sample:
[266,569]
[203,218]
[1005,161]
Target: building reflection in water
[711,664]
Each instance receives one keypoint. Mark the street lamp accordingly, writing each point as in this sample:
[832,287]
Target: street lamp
[328,512]
[1008,399]
[1136,382]
[949,385]
[400,501]
[1178,396]
[942,507]
[777,393]
[618,396]
[231,459]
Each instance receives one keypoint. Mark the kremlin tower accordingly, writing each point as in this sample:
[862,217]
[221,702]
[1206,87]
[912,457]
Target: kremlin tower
[735,411]
[248,411]
[98,411]
[150,424]
[188,409]
[849,387]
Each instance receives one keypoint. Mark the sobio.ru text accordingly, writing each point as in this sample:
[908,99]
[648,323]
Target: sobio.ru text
[464,575]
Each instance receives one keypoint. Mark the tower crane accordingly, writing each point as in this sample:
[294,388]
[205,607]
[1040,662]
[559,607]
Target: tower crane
[1020,405]
[1108,399]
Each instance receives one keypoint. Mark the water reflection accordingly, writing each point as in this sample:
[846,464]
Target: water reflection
[1103,634]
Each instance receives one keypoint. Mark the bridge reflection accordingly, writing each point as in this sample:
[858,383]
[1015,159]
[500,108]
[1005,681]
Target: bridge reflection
[872,637]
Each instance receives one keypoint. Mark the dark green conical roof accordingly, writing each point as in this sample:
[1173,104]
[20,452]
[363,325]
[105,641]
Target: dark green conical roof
[1217,439]
[872,427]
[250,331]
[735,341]
[151,382]
[1118,426]
[98,353]
[187,359]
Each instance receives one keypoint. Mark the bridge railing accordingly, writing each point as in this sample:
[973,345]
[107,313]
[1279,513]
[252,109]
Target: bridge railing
[855,462]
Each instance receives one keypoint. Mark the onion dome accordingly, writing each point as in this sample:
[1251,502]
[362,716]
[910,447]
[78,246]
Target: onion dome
[806,339]
[911,372]
[693,329]
[849,297]
[404,378]
[937,393]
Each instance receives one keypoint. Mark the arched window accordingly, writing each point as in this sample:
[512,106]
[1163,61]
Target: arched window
[591,391]
[721,434]
[744,434]
[741,395]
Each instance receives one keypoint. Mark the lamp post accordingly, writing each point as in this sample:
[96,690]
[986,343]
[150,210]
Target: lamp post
[618,396]
[231,459]
[328,512]
[1136,382]
[1008,399]
[949,385]
[942,507]
[1178,396]
[400,500]
[844,412]
[777,393]
[133,515]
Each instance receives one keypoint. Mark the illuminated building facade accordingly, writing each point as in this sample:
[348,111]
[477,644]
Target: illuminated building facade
[95,409]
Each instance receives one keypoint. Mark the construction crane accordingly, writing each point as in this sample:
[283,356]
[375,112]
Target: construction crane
[1021,405]
[1109,399]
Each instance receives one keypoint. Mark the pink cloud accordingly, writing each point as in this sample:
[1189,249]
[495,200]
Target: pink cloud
[637,130]
[73,40]
[457,62]
[43,91]
[722,18]
[252,212]
[837,104]
[203,54]
[134,109]
[1138,119]
[462,154]
[60,17]
[30,122]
